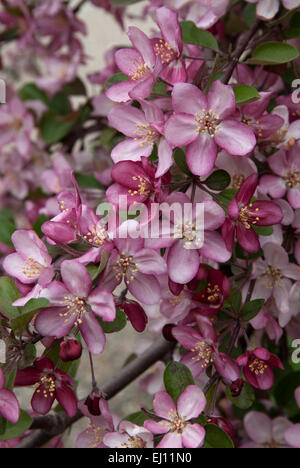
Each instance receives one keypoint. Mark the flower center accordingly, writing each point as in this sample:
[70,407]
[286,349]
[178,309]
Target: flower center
[48,384]
[96,236]
[292,179]
[188,233]
[175,423]
[76,307]
[62,207]
[147,134]
[143,188]
[237,180]
[273,277]
[208,122]
[31,268]
[164,51]
[204,353]
[140,70]
[96,433]
[134,442]
[258,367]
[125,268]
[247,217]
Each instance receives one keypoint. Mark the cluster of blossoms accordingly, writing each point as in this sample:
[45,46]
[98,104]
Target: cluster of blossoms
[170,200]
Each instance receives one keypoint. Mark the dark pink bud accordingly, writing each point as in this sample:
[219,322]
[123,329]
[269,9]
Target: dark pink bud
[136,315]
[70,350]
[167,332]
[236,387]
[92,403]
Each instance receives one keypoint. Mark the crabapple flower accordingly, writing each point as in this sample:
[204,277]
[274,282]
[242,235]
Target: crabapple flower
[187,238]
[267,9]
[60,177]
[210,299]
[129,435]
[60,70]
[144,128]
[16,125]
[257,366]
[206,123]
[238,168]
[50,384]
[255,115]
[273,276]
[286,167]
[139,267]
[31,262]
[169,47]
[245,214]
[202,352]
[264,432]
[178,431]
[136,181]
[9,405]
[75,303]
[139,64]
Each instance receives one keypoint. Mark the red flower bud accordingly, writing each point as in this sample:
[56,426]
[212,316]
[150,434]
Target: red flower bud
[70,350]
[223,424]
[236,387]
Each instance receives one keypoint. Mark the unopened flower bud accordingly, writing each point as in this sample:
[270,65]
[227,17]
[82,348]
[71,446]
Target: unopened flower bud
[236,387]
[70,350]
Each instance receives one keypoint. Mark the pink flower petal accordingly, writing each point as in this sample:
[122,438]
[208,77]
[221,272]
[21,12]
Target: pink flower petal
[191,402]
[76,278]
[193,436]
[235,137]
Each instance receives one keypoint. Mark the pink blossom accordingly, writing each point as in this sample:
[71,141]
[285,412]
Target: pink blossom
[245,214]
[257,366]
[286,166]
[16,125]
[137,181]
[137,266]
[264,432]
[129,435]
[144,129]
[238,168]
[9,405]
[185,238]
[203,352]
[211,298]
[273,276]
[59,177]
[31,262]
[50,384]
[206,123]
[74,303]
[60,70]
[178,431]
[139,64]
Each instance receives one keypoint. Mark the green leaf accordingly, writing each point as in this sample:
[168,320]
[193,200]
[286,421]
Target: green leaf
[60,104]
[9,34]
[246,398]
[200,37]
[3,423]
[75,88]
[249,14]
[27,313]
[137,418]
[7,228]
[218,180]
[245,94]
[115,79]
[53,128]
[179,158]
[8,294]
[251,309]
[117,325]
[30,92]
[236,301]
[284,393]
[263,230]
[16,430]
[176,378]
[272,53]
[88,181]
[216,438]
